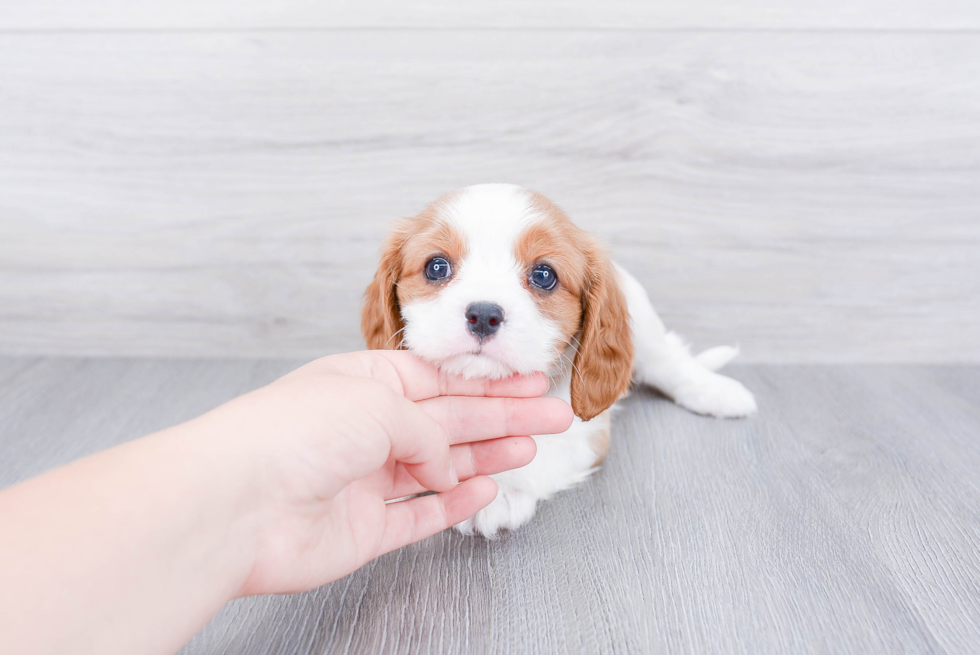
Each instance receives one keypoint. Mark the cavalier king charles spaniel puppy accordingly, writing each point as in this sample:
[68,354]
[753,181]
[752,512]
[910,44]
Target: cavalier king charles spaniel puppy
[494,280]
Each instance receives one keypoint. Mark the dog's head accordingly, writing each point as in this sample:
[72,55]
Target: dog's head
[494,280]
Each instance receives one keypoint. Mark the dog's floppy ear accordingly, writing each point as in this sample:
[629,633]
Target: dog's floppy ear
[604,362]
[381,319]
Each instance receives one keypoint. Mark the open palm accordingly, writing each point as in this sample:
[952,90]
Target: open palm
[354,432]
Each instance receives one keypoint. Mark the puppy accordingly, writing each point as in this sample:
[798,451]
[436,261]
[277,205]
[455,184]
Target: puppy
[494,280]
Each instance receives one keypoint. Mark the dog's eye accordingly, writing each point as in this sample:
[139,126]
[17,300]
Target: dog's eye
[543,277]
[438,268]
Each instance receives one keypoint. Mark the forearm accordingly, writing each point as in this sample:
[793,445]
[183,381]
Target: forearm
[284,489]
[127,551]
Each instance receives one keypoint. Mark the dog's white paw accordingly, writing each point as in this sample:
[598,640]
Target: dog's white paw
[716,395]
[511,509]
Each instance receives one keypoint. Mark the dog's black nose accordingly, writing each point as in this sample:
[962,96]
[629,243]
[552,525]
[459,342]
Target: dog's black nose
[484,319]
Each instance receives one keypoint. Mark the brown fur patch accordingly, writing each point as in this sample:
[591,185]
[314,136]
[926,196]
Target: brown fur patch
[588,301]
[400,277]
[557,242]
[604,362]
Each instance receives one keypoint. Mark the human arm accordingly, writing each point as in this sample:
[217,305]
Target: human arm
[280,490]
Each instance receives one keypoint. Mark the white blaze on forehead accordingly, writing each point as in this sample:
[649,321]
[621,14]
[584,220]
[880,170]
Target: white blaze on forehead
[491,217]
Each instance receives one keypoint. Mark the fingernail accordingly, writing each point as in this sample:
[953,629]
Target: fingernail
[452,474]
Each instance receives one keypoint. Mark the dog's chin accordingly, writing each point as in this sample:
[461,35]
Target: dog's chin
[475,365]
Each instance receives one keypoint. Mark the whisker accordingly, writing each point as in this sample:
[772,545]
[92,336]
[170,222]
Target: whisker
[562,358]
[574,367]
[561,362]
[393,336]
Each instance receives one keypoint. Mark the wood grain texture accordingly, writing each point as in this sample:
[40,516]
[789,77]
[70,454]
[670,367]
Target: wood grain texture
[922,447]
[842,519]
[813,197]
[503,14]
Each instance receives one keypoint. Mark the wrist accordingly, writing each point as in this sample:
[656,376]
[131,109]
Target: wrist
[223,475]
[157,527]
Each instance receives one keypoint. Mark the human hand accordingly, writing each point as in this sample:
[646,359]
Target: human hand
[133,549]
[331,442]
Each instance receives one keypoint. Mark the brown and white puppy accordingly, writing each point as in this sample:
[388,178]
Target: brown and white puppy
[493,280]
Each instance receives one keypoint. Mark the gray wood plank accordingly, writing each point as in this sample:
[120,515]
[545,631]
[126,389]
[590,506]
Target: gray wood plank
[811,196]
[906,471]
[504,14]
[843,518]
[57,410]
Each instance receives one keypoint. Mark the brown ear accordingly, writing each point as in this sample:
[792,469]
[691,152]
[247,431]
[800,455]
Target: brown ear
[381,319]
[604,362]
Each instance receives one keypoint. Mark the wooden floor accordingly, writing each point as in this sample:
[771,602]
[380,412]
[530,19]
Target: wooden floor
[212,179]
[845,518]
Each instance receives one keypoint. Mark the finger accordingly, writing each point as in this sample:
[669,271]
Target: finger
[474,419]
[515,386]
[416,519]
[415,379]
[416,439]
[470,460]
[422,380]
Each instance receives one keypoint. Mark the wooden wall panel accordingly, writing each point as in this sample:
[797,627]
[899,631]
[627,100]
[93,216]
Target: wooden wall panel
[812,196]
[951,15]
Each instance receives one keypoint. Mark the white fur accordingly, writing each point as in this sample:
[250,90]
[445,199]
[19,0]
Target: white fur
[562,461]
[491,216]
[662,360]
